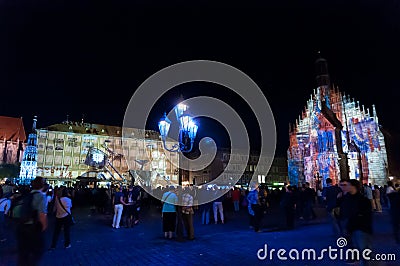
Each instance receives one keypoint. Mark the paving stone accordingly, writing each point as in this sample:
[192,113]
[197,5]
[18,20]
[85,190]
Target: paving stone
[94,242]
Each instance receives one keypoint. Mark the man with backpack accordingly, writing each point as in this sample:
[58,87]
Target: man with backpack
[31,225]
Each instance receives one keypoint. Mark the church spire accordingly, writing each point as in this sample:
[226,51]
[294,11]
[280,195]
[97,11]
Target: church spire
[321,67]
[34,124]
[29,164]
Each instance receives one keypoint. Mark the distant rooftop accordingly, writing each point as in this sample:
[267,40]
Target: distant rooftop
[12,128]
[102,130]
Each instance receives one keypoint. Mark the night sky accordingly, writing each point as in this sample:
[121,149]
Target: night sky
[85,57]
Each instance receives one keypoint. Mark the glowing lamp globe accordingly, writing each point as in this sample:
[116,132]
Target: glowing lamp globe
[180,109]
[164,125]
[192,130]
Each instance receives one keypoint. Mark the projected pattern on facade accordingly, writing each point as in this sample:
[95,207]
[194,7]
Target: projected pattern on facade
[312,151]
[62,151]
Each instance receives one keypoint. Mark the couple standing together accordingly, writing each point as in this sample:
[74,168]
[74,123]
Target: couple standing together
[129,204]
[177,210]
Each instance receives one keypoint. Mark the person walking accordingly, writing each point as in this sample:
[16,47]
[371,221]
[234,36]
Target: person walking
[377,198]
[394,210]
[7,189]
[187,212]
[62,205]
[368,194]
[5,205]
[30,233]
[288,206]
[236,198]
[299,196]
[384,199]
[130,201]
[330,195]
[180,228]
[218,207]
[255,209]
[344,215]
[320,200]
[137,195]
[309,200]
[118,202]
[359,223]
[204,196]
[170,200]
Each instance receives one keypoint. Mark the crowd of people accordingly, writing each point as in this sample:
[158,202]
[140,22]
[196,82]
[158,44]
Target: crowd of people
[28,207]
[349,205]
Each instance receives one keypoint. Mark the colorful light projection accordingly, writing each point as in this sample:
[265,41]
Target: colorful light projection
[312,154]
[62,153]
[29,162]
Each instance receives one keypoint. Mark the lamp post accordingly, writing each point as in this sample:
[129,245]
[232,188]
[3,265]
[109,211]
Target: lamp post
[187,132]
[187,129]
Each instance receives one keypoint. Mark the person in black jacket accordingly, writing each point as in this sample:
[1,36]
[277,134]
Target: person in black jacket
[330,194]
[394,210]
[288,206]
[309,200]
[357,211]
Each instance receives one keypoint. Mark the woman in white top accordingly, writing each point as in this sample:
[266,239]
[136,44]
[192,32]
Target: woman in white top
[62,206]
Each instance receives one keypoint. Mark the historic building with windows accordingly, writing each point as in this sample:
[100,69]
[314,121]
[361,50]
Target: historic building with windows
[228,163]
[70,151]
[335,134]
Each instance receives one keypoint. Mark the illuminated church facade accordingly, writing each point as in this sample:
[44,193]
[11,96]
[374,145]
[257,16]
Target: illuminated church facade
[314,153]
[29,161]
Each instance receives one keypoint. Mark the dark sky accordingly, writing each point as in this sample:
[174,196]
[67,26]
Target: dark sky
[87,57]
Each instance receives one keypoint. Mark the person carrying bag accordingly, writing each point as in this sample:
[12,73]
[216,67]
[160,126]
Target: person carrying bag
[64,219]
[70,217]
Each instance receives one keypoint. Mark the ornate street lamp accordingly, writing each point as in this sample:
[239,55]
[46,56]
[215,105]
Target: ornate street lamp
[187,129]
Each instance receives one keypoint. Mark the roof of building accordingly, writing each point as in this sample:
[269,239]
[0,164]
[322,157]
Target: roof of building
[12,128]
[102,130]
